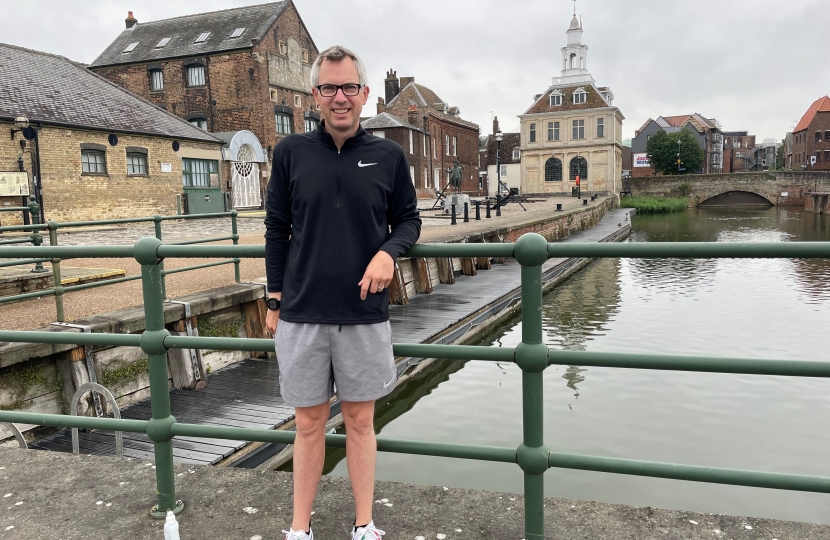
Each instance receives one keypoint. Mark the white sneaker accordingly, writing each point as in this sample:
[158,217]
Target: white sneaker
[299,535]
[369,532]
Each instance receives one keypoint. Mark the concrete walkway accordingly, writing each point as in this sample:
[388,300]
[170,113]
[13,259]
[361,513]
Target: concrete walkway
[100,497]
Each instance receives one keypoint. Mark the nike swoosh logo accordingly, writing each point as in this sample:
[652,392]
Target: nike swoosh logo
[361,164]
[390,382]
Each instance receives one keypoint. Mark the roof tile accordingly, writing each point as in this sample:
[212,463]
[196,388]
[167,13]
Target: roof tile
[820,105]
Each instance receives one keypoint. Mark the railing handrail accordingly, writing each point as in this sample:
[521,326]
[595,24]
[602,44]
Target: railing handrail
[531,355]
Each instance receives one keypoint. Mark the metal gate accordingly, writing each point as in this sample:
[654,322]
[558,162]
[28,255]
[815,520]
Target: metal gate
[245,179]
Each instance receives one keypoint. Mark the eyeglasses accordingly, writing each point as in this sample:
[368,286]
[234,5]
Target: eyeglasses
[330,90]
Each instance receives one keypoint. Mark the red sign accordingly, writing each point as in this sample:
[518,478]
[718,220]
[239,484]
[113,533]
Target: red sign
[577,179]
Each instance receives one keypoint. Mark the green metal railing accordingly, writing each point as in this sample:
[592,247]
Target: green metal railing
[531,355]
[58,290]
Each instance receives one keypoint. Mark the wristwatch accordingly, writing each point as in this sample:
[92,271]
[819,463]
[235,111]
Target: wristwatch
[273,304]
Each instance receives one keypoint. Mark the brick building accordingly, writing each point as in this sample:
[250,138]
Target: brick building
[509,160]
[237,70]
[448,136]
[737,149]
[93,150]
[572,130]
[707,132]
[811,138]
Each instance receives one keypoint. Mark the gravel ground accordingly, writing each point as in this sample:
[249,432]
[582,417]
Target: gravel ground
[40,312]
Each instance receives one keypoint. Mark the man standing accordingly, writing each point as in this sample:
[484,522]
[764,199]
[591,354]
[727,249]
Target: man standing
[341,208]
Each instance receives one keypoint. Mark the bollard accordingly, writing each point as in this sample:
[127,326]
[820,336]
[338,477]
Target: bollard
[559,206]
[466,212]
[584,202]
[37,239]
[452,210]
[478,210]
[487,204]
[498,204]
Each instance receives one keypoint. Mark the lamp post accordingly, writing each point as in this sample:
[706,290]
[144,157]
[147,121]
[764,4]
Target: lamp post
[30,133]
[499,137]
[578,176]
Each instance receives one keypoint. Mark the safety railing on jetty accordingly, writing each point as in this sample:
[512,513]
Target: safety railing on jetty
[58,290]
[532,456]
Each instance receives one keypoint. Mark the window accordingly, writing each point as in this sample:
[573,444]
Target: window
[426,177]
[434,155]
[739,155]
[579,167]
[827,136]
[238,32]
[827,155]
[131,47]
[136,163]
[283,123]
[197,172]
[156,80]
[200,123]
[818,155]
[298,100]
[480,182]
[163,42]
[202,37]
[580,96]
[447,144]
[555,99]
[578,129]
[310,124]
[381,134]
[195,75]
[283,48]
[517,154]
[532,133]
[274,95]
[436,177]
[411,142]
[818,136]
[93,162]
[412,174]
[424,147]
[600,128]
[305,56]
[504,171]
[454,146]
[553,170]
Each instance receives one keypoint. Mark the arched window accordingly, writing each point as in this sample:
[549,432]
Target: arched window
[553,170]
[573,60]
[579,166]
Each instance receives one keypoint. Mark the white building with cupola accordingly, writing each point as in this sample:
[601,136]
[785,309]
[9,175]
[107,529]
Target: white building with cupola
[572,130]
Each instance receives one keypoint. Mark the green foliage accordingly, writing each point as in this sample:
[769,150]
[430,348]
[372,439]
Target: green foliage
[126,372]
[779,156]
[210,329]
[654,205]
[662,150]
[18,381]
[684,189]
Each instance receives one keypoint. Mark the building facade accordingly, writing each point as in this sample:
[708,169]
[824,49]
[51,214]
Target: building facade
[706,131]
[244,69]
[811,138]
[448,137]
[414,141]
[572,130]
[507,165]
[737,150]
[92,150]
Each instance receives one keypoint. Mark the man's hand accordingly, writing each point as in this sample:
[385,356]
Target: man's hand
[272,318]
[378,274]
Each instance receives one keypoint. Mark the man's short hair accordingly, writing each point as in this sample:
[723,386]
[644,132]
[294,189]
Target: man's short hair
[337,54]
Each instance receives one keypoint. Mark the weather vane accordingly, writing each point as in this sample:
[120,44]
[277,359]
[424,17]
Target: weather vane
[574,8]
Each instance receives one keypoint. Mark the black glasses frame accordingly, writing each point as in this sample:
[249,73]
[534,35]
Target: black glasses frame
[340,87]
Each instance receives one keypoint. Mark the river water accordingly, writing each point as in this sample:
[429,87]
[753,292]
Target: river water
[729,307]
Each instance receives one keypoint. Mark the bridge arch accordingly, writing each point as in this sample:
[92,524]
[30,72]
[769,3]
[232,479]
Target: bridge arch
[737,198]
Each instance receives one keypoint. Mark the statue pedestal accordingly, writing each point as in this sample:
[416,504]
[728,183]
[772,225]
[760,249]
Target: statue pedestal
[458,200]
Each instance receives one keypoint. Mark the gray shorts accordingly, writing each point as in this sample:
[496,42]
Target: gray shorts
[313,358]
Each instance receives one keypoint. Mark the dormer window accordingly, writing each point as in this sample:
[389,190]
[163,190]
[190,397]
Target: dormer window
[580,96]
[202,37]
[516,154]
[238,32]
[130,47]
[555,99]
[163,42]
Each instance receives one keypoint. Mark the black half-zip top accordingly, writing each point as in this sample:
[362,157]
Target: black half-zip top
[337,194]
[324,138]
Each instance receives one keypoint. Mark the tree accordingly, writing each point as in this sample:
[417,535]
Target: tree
[779,156]
[662,150]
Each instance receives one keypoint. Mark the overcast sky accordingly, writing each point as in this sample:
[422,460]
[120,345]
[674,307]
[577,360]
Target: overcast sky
[755,65]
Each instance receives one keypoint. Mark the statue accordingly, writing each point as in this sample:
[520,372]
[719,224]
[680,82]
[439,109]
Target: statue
[455,176]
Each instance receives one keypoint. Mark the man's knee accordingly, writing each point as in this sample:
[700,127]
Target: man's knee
[359,416]
[311,420]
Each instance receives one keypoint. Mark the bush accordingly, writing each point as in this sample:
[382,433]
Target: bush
[653,205]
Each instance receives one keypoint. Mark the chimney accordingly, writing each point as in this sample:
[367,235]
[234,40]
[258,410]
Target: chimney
[393,86]
[130,20]
[406,80]
[495,124]
[412,115]
[381,105]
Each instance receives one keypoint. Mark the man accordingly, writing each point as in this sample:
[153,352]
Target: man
[341,208]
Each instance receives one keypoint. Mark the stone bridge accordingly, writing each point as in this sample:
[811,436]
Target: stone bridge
[780,188]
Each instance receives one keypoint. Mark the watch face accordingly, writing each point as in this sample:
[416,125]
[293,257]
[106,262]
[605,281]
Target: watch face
[273,304]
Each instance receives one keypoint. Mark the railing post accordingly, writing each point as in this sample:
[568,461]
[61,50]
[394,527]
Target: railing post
[37,239]
[532,357]
[56,273]
[157,224]
[235,234]
[152,343]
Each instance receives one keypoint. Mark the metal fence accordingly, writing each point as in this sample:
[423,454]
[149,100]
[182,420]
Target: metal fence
[532,456]
[58,290]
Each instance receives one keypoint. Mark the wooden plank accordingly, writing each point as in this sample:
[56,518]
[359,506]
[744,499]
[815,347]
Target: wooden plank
[433,271]
[397,290]
[468,266]
[420,271]
[255,313]
[446,273]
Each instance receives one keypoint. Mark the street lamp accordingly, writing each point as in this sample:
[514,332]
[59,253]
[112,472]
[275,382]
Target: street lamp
[22,124]
[499,137]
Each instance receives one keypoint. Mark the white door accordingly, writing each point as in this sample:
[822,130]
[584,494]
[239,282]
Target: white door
[245,179]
